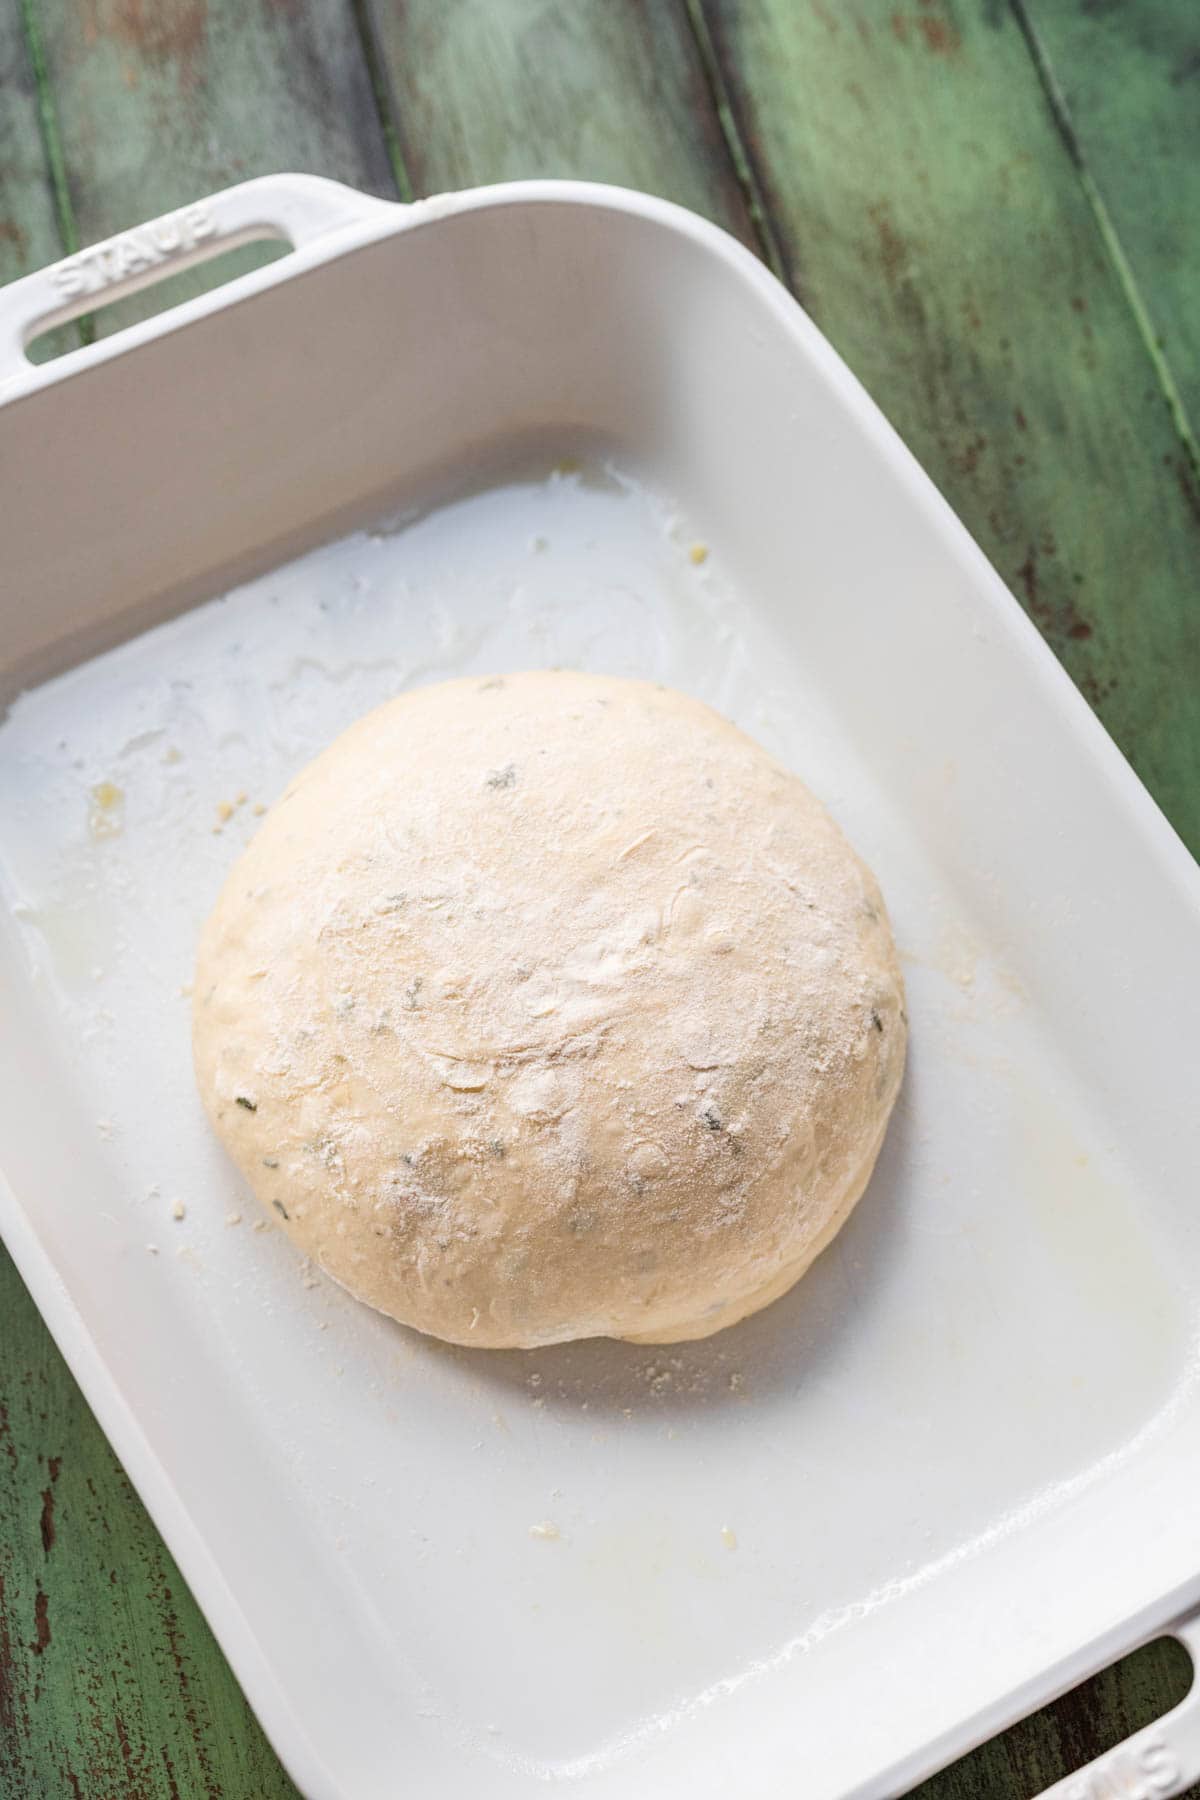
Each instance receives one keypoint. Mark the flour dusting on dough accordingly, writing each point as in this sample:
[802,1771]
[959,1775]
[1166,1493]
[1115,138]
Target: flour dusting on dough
[551,1007]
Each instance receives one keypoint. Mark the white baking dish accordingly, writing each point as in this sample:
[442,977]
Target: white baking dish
[949,1474]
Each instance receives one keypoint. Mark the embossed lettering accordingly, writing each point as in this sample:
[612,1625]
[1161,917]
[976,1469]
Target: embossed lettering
[199,220]
[1105,1782]
[1144,1773]
[1156,1760]
[69,279]
[134,251]
[104,263]
[146,247]
[130,258]
[167,235]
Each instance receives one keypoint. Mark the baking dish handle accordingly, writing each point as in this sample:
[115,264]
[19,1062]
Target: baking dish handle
[1154,1764]
[301,210]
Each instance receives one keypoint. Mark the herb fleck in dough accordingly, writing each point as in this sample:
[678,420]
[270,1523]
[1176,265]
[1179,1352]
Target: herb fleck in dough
[551,1007]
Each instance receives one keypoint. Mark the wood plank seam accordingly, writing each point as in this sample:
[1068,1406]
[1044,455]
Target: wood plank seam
[384,104]
[735,148]
[742,154]
[82,330]
[1110,237]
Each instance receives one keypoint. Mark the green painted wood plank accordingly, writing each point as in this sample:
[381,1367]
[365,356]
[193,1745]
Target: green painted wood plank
[935,226]
[1127,82]
[159,104]
[32,178]
[111,1687]
[30,232]
[608,90]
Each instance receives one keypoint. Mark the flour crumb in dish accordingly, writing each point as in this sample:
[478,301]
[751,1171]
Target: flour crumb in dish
[179,1210]
[233,1218]
[698,554]
[547,1530]
[227,808]
[729,1537]
[106,810]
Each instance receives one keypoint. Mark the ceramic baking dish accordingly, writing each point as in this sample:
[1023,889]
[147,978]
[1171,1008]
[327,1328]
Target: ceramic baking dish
[949,1474]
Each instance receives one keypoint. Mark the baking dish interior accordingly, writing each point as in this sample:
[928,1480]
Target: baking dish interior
[938,1458]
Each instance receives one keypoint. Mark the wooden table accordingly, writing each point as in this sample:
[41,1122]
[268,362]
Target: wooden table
[992,207]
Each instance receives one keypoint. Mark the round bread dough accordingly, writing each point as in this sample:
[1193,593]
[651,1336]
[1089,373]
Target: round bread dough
[551,1006]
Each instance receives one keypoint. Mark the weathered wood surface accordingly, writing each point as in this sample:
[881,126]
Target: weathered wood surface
[495,90]
[158,102]
[932,221]
[29,228]
[953,190]
[32,228]
[1126,80]
[111,1687]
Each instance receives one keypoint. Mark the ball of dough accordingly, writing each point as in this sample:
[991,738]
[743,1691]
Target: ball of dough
[551,1006]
